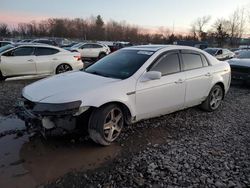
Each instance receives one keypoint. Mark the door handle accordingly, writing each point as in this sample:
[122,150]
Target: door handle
[180,81]
[208,74]
[54,59]
[30,60]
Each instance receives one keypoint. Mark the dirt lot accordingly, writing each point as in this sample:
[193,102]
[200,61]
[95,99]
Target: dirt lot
[187,148]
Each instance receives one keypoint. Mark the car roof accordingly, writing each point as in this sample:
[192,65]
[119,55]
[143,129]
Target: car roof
[150,47]
[155,48]
[39,45]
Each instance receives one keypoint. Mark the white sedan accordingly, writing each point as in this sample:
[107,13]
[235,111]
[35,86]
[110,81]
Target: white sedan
[127,86]
[37,60]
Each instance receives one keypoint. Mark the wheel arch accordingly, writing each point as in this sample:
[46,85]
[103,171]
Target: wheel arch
[221,84]
[125,109]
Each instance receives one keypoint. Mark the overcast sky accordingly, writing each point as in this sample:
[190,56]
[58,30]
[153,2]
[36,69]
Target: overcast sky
[147,13]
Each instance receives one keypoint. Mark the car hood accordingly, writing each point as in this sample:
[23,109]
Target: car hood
[67,87]
[240,62]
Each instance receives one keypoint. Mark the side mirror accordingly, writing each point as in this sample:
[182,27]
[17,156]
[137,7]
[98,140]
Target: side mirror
[151,75]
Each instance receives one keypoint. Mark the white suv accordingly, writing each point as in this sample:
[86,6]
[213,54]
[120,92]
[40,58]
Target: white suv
[91,50]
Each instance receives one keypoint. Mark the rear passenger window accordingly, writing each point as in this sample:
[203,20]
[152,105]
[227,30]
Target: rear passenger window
[191,61]
[46,51]
[167,64]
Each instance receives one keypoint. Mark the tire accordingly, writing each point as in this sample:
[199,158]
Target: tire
[102,55]
[105,124]
[214,99]
[2,78]
[63,68]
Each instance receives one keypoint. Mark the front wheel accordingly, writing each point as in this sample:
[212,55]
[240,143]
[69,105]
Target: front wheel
[63,68]
[2,78]
[214,99]
[105,124]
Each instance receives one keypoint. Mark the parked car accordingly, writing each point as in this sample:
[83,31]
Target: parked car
[26,40]
[242,54]
[241,66]
[124,87]
[6,47]
[119,45]
[45,41]
[220,53]
[37,59]
[91,50]
[68,46]
[3,43]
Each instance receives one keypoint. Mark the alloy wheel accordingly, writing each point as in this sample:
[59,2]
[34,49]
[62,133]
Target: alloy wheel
[113,124]
[216,98]
[63,68]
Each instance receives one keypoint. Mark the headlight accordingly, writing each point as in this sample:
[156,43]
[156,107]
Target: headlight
[56,109]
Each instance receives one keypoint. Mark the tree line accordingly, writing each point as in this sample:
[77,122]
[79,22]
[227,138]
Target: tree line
[225,31]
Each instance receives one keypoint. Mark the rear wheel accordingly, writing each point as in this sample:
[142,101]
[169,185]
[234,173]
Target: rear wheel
[102,55]
[214,99]
[63,68]
[105,124]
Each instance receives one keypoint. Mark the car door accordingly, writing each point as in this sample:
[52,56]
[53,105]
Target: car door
[19,61]
[158,97]
[198,77]
[96,50]
[45,59]
[86,51]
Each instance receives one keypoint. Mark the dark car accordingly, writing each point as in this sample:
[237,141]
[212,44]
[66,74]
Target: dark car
[240,66]
[45,41]
[119,45]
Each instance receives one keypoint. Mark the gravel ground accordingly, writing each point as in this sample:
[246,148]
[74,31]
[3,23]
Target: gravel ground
[201,150]
[9,93]
[188,148]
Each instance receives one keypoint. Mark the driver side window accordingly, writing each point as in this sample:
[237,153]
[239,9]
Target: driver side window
[167,64]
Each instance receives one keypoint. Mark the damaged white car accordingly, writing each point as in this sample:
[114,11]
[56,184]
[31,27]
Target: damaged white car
[127,86]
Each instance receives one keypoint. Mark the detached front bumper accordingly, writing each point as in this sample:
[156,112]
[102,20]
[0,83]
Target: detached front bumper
[49,116]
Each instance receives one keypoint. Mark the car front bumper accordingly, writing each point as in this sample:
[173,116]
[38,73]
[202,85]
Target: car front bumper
[40,116]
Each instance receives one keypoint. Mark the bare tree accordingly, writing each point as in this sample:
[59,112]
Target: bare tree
[4,30]
[237,25]
[199,25]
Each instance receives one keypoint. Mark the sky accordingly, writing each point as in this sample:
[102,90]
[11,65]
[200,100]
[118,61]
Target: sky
[146,13]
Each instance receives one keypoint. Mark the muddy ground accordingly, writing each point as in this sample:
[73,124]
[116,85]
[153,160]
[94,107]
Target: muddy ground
[187,148]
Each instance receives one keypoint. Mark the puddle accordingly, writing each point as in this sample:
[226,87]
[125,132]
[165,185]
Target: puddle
[31,161]
[26,162]
[10,123]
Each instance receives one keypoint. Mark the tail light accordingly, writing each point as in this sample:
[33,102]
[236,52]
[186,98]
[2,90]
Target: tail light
[78,58]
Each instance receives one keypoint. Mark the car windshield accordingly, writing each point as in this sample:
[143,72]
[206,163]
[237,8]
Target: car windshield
[6,47]
[121,64]
[211,51]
